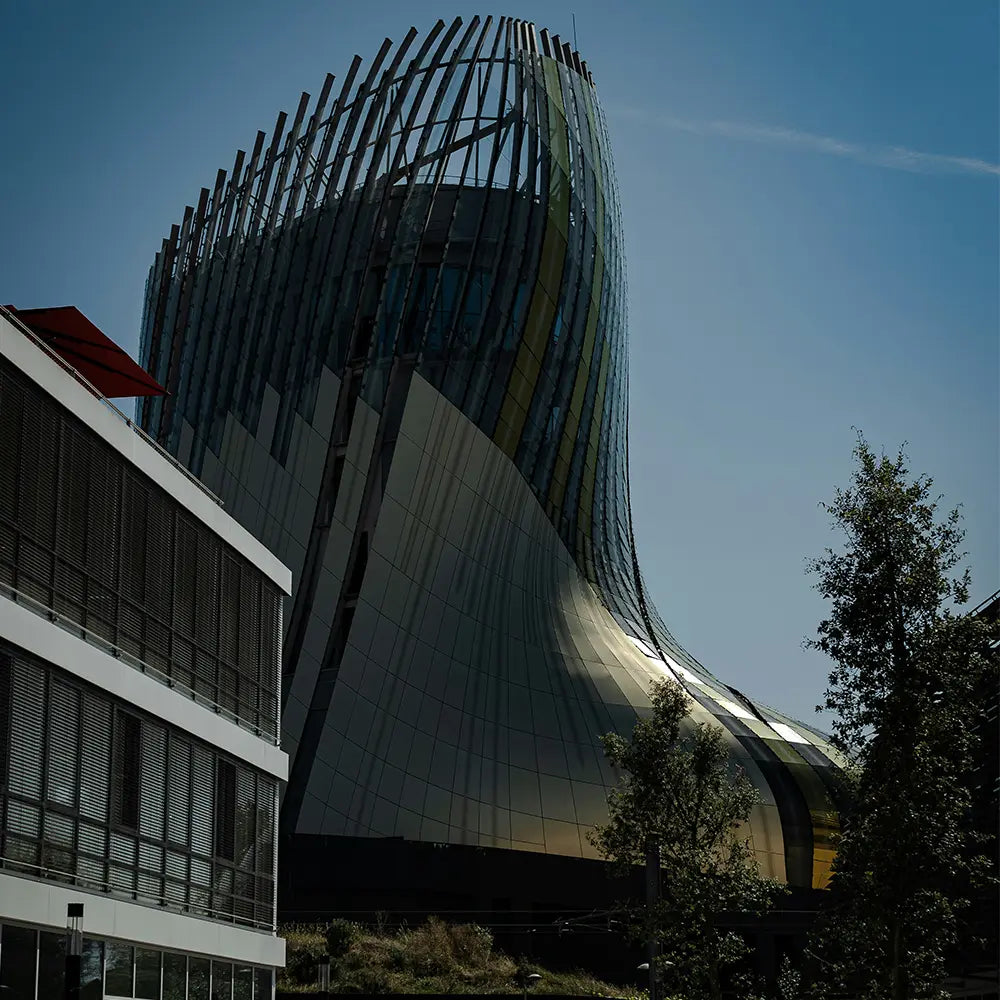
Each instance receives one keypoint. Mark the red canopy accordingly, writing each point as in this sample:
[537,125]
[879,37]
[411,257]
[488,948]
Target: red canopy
[97,358]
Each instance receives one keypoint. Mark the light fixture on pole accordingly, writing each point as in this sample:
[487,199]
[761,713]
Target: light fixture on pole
[653,971]
[324,975]
[529,980]
[74,950]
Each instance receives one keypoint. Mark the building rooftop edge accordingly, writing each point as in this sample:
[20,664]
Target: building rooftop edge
[68,388]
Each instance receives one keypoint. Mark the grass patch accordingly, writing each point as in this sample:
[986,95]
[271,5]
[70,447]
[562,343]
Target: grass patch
[435,957]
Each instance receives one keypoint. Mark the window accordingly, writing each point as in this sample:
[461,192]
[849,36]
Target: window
[118,978]
[17,963]
[243,983]
[225,810]
[147,974]
[264,984]
[92,970]
[83,805]
[174,977]
[62,765]
[198,978]
[222,981]
[51,964]
[125,771]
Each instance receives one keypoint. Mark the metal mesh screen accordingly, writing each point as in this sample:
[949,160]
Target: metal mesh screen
[85,534]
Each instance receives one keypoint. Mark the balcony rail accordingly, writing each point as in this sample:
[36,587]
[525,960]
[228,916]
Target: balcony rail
[93,639]
[47,873]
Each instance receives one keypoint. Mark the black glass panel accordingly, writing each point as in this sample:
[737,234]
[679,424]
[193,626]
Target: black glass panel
[18,957]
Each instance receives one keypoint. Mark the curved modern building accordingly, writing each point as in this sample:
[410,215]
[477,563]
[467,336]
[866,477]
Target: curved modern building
[395,341]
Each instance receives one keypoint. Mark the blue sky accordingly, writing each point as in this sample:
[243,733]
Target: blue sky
[810,196]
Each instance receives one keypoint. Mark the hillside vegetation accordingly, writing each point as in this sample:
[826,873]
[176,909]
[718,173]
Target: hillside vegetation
[434,957]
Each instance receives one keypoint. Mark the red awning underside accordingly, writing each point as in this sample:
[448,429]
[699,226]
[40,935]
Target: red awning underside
[96,357]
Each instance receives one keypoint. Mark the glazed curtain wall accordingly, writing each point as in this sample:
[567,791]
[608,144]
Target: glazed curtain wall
[462,212]
[33,967]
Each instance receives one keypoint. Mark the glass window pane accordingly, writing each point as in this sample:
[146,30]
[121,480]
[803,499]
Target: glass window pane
[222,981]
[118,981]
[174,976]
[198,973]
[243,983]
[263,985]
[147,974]
[17,963]
[92,970]
[51,964]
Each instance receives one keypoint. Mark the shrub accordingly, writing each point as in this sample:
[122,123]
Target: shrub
[340,935]
[428,950]
[471,944]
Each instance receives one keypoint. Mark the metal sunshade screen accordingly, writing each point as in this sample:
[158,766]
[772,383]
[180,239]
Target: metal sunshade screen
[456,206]
[104,797]
[86,535]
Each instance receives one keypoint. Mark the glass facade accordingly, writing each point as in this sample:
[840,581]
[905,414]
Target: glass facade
[32,967]
[395,340]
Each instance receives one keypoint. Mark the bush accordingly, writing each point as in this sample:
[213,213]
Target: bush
[427,950]
[471,944]
[340,935]
[435,957]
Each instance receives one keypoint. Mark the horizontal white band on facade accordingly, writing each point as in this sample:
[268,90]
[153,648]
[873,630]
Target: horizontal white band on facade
[30,901]
[48,641]
[66,391]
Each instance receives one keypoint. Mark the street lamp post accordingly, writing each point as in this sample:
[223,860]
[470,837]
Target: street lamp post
[324,975]
[652,898]
[529,980]
[653,971]
[74,950]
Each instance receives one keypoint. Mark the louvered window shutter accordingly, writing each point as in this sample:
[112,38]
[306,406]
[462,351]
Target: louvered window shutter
[159,570]
[206,605]
[151,802]
[185,567]
[26,730]
[202,794]
[74,475]
[63,759]
[11,416]
[6,679]
[95,757]
[179,793]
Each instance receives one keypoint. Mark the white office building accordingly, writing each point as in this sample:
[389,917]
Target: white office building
[140,635]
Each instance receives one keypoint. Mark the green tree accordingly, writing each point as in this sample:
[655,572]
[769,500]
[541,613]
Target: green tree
[906,671]
[680,793]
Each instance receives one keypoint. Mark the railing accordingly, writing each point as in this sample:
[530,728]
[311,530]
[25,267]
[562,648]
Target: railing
[47,873]
[93,639]
[94,391]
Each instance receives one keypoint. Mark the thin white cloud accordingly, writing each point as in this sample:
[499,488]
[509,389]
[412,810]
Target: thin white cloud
[891,157]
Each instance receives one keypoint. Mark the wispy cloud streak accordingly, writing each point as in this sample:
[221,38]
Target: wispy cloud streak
[890,157]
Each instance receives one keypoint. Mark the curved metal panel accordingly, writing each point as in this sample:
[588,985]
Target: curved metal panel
[398,341]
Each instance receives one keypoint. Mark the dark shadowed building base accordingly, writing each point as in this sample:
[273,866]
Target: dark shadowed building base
[392,881]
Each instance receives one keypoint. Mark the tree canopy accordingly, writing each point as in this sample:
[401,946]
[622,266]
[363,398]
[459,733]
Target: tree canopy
[909,671]
[680,792]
